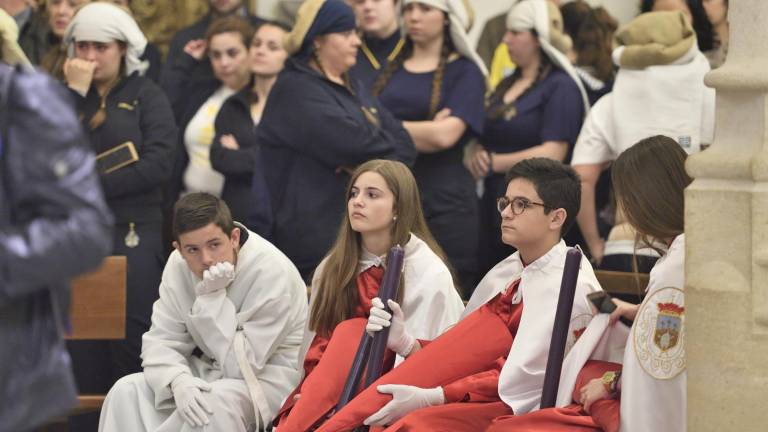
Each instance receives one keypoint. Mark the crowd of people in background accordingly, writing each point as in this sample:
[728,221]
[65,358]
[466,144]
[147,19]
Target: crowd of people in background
[281,124]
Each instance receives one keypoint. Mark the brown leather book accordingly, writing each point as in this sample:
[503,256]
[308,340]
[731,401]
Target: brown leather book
[116,158]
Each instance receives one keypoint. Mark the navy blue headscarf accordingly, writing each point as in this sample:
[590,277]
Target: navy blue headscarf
[316,18]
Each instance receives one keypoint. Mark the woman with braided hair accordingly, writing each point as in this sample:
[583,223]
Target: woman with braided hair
[535,112]
[436,86]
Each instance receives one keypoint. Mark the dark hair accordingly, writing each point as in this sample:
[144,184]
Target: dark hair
[231,24]
[573,15]
[495,102]
[557,184]
[196,210]
[649,180]
[404,54]
[591,31]
[704,34]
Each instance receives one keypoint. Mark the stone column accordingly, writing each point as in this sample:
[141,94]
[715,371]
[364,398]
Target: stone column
[727,241]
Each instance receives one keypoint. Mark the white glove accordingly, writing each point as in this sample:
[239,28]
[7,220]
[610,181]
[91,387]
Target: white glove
[190,403]
[405,399]
[217,277]
[399,340]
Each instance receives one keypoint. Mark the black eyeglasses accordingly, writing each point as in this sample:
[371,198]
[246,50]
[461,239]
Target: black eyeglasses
[518,204]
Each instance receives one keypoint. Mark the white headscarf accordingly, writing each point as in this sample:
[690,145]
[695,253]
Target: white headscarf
[106,22]
[537,15]
[461,17]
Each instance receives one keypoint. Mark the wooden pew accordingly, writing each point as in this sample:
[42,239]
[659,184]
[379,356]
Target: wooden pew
[624,285]
[98,312]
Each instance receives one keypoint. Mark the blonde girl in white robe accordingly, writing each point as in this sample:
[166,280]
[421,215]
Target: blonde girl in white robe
[383,210]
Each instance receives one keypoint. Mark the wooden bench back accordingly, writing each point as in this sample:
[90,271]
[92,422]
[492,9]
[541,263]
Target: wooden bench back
[622,283]
[98,301]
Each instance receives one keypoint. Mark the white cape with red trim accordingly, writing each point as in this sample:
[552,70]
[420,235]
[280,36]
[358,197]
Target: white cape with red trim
[431,303]
[522,377]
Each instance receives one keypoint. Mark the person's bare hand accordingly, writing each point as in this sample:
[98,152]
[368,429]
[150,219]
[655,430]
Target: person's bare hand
[196,48]
[79,73]
[623,309]
[477,161]
[229,142]
[592,392]
[442,114]
[597,250]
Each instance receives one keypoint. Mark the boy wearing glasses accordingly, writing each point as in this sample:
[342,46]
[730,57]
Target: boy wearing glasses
[492,363]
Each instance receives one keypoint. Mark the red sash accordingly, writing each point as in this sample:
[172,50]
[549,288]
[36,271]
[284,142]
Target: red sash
[328,361]
[604,414]
[472,346]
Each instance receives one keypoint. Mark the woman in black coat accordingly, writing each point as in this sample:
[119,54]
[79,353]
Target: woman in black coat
[235,151]
[316,126]
[126,114]
[197,98]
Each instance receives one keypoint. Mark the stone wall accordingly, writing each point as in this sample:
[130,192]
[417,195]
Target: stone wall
[727,241]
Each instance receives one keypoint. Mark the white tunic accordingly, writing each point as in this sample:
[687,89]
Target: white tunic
[431,303]
[266,303]
[669,100]
[522,377]
[653,380]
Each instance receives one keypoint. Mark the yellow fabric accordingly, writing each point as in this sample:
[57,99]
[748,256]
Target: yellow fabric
[501,65]
[304,19]
[9,47]
[655,38]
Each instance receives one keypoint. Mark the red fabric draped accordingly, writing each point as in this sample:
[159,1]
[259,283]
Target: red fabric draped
[471,347]
[331,357]
[484,386]
[604,415]
[469,417]
[368,283]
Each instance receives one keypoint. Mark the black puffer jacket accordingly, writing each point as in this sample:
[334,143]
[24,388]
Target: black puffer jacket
[137,112]
[54,225]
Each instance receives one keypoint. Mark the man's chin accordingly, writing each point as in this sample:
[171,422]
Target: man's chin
[510,240]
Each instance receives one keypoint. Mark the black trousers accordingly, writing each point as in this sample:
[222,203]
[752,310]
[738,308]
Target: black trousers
[98,364]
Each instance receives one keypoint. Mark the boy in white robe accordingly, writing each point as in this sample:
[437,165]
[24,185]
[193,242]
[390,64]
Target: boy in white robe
[620,379]
[222,352]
